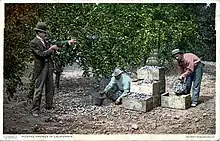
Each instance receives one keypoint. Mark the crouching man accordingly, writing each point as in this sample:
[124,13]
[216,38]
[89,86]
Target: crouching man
[118,87]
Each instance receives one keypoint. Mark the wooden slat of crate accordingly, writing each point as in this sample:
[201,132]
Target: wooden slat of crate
[149,89]
[162,86]
[137,105]
[156,74]
[176,102]
[156,101]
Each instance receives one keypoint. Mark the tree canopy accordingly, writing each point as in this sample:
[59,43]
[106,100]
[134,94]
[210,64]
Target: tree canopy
[110,35]
[122,34]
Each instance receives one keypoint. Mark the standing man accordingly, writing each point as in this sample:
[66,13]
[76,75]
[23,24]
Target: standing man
[43,73]
[191,69]
[118,87]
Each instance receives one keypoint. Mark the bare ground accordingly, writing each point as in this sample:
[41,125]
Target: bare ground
[74,113]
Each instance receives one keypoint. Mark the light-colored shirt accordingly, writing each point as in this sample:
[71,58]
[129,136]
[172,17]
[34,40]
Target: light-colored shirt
[123,84]
[188,64]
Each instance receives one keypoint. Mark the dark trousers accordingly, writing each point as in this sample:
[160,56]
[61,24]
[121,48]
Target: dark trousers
[45,77]
[195,78]
[114,93]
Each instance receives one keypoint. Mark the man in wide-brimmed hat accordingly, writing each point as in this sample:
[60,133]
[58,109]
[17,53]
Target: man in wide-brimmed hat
[118,87]
[43,73]
[191,69]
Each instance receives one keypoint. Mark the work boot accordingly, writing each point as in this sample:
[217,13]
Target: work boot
[193,105]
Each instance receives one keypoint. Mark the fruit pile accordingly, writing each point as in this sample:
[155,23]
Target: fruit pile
[179,87]
[151,68]
[139,96]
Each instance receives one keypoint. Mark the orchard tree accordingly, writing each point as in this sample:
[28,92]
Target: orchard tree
[205,41]
[19,22]
[124,33]
[108,35]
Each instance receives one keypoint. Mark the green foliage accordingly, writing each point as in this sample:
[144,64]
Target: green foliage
[205,41]
[108,35]
[165,28]
[19,20]
[126,33]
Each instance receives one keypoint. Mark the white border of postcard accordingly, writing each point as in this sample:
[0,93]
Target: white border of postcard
[114,137]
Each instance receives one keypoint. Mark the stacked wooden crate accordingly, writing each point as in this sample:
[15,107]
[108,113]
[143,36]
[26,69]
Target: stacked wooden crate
[153,73]
[150,82]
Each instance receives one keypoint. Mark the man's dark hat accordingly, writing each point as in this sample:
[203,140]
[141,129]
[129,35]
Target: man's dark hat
[41,26]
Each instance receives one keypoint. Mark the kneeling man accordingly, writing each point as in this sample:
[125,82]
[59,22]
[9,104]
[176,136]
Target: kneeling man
[118,87]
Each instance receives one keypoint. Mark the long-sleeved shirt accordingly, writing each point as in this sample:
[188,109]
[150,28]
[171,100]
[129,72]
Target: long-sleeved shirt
[123,84]
[188,64]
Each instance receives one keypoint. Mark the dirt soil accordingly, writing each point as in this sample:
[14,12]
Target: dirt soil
[75,114]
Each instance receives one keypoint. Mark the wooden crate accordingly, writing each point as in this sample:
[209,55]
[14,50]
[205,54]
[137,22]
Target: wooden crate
[156,101]
[162,85]
[174,101]
[149,89]
[137,105]
[152,74]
